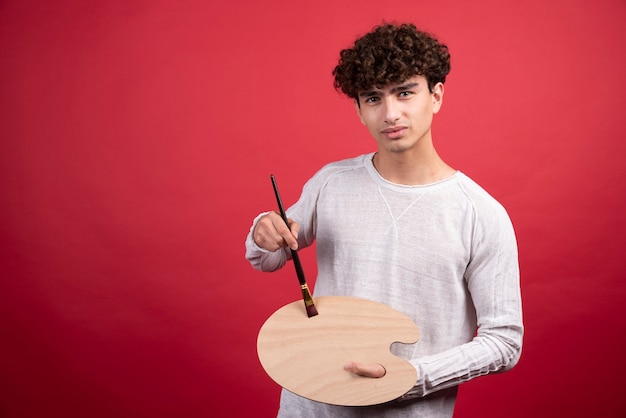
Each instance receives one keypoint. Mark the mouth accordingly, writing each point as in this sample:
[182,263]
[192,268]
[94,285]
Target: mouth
[394,132]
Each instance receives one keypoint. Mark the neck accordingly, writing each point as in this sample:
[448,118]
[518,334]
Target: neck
[411,169]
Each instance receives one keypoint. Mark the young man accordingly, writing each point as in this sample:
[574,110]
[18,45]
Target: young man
[401,227]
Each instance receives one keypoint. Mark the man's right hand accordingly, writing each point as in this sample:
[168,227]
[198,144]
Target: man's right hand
[271,233]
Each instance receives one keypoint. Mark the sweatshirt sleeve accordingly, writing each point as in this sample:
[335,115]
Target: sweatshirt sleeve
[492,278]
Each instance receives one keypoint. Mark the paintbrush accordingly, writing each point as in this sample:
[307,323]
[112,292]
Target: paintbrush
[306,294]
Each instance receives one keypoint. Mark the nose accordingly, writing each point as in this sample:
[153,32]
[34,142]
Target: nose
[392,110]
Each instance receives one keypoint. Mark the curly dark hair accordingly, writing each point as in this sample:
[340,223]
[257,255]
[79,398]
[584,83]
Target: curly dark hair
[391,53]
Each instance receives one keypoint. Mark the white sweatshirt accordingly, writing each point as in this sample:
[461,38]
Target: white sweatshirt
[444,254]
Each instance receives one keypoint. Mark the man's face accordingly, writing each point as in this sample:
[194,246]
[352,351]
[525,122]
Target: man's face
[399,116]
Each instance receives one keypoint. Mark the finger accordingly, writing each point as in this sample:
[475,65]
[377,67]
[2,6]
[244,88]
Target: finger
[366,370]
[289,234]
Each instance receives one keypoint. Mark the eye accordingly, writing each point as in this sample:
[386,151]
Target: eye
[372,100]
[405,93]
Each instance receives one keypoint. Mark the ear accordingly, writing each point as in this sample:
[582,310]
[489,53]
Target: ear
[437,96]
[357,107]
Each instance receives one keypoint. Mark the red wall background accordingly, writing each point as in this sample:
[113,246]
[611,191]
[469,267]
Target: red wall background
[136,143]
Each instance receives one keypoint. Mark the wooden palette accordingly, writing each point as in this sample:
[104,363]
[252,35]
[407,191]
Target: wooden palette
[306,355]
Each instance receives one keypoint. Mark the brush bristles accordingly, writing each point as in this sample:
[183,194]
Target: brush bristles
[311,310]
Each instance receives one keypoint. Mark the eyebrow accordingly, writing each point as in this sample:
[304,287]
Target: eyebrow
[401,87]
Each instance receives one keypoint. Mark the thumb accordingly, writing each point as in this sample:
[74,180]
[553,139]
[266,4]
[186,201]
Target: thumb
[366,370]
[294,227]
